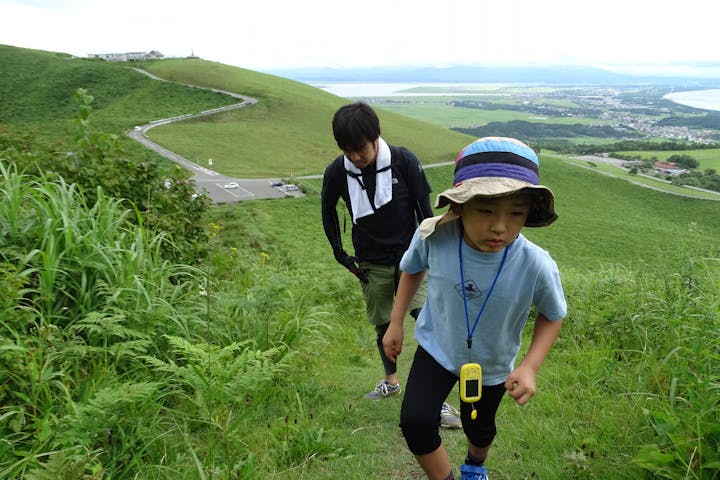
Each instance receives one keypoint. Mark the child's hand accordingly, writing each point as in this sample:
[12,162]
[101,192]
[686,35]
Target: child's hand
[392,341]
[521,385]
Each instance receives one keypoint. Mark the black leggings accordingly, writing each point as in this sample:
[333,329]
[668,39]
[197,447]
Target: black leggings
[428,385]
[389,366]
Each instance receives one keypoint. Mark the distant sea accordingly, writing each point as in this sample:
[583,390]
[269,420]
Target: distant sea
[355,90]
[705,99]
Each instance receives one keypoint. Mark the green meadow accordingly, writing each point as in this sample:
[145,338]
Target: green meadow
[708,158]
[250,361]
[642,180]
[283,135]
[440,112]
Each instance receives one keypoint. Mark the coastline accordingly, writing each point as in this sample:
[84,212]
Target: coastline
[704,99]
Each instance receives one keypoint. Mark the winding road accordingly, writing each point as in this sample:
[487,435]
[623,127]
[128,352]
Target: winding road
[219,188]
[223,189]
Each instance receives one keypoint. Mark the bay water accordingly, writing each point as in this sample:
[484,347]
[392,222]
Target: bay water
[357,89]
[706,99]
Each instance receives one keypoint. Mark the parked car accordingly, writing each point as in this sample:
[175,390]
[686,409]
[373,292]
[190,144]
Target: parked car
[231,185]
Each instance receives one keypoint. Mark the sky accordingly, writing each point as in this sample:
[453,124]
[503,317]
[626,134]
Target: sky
[265,35]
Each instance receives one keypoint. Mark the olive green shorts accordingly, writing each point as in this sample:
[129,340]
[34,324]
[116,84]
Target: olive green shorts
[379,292]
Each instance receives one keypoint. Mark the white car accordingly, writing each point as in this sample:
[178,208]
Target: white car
[231,185]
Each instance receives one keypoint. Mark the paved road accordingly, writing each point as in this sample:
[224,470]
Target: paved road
[220,188]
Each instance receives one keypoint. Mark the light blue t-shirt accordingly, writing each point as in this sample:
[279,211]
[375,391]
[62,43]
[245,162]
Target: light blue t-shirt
[528,277]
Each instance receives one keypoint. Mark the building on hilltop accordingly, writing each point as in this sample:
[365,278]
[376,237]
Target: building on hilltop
[128,56]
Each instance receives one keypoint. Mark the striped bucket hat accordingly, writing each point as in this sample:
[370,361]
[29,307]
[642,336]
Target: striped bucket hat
[497,167]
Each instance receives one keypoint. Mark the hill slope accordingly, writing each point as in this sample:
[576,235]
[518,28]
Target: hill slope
[626,344]
[286,133]
[37,90]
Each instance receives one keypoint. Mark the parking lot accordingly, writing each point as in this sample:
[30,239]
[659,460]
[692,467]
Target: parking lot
[223,189]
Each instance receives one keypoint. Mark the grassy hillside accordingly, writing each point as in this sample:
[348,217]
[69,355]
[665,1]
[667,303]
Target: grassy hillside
[606,222]
[287,133]
[37,91]
[626,254]
[708,158]
[252,363]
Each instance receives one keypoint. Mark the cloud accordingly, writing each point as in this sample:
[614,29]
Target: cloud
[281,34]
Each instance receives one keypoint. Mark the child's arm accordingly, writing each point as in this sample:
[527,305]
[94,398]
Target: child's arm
[521,382]
[393,339]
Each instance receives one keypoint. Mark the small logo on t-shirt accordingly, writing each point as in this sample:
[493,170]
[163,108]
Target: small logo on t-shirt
[471,290]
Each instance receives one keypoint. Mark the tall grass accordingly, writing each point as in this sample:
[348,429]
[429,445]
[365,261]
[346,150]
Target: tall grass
[252,364]
[110,360]
[608,405]
[652,339]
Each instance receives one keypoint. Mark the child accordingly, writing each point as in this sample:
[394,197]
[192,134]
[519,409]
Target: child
[483,278]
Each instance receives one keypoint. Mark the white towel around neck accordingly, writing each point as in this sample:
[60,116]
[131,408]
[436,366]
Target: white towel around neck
[359,200]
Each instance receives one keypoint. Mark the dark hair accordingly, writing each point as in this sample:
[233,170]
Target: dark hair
[354,125]
[542,210]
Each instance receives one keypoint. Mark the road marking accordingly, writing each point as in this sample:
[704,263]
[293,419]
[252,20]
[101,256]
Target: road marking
[232,193]
[203,169]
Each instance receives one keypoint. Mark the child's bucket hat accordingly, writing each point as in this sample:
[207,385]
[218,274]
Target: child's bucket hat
[496,167]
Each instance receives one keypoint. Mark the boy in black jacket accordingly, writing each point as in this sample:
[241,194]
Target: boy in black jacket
[387,195]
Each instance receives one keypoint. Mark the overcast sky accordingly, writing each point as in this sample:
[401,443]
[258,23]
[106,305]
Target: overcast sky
[273,34]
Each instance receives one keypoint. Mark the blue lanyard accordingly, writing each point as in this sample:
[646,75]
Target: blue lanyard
[462,285]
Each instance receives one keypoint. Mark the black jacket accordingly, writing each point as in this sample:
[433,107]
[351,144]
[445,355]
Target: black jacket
[382,237]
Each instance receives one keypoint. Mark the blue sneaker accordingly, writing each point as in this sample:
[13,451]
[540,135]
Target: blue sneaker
[472,472]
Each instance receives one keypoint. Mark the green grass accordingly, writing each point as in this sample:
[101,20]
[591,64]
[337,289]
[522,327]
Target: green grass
[587,420]
[708,158]
[650,182]
[284,134]
[441,113]
[40,86]
[252,363]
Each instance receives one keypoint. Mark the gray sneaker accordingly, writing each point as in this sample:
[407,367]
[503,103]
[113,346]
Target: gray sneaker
[383,390]
[449,417]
